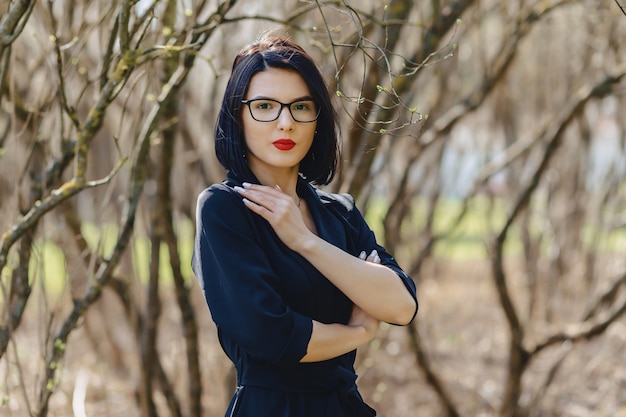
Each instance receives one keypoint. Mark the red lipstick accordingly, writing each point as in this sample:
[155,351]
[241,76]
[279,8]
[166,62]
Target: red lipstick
[284,144]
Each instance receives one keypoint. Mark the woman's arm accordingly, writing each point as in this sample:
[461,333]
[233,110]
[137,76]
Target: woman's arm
[375,288]
[331,340]
[240,285]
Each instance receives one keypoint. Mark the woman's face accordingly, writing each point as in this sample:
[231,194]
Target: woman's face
[281,144]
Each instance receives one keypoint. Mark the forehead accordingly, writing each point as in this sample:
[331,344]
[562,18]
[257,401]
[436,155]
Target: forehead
[277,83]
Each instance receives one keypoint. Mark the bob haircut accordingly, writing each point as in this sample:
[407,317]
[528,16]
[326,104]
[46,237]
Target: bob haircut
[320,164]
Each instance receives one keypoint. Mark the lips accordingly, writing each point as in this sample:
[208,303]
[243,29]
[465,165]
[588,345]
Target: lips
[284,144]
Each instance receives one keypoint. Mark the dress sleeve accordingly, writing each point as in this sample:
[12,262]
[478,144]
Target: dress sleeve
[238,283]
[362,238]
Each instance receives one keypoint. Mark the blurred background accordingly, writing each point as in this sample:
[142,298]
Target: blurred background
[485,141]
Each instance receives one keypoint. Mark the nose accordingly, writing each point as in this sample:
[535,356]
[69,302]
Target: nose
[285,120]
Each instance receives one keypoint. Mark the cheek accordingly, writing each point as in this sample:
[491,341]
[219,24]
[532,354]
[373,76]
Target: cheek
[251,131]
[313,133]
[245,126]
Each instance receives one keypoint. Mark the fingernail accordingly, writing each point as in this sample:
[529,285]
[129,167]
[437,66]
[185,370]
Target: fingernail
[277,187]
[246,184]
[362,254]
[238,188]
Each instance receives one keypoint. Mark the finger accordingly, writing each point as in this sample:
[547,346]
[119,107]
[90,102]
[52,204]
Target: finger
[373,257]
[258,209]
[255,192]
[259,190]
[276,190]
[362,255]
[266,197]
[272,198]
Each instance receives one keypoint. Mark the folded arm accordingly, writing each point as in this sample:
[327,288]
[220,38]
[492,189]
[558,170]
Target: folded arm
[375,288]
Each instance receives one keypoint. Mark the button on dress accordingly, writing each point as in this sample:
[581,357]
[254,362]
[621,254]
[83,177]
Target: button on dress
[263,297]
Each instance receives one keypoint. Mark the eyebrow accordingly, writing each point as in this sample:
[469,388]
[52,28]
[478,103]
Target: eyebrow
[303,98]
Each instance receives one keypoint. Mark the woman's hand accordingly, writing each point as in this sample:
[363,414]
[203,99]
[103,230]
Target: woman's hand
[360,318]
[279,210]
[372,257]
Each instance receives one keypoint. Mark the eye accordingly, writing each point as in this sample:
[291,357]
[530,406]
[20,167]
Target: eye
[303,106]
[264,105]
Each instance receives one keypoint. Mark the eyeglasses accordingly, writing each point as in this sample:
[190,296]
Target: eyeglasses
[267,110]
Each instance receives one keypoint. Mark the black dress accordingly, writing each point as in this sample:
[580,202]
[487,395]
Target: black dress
[262,297]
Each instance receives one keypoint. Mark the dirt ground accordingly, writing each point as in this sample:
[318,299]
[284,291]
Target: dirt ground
[462,331]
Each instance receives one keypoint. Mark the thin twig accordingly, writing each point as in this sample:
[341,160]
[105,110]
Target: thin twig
[620,7]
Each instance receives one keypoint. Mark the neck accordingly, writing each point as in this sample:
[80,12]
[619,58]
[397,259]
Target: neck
[286,180]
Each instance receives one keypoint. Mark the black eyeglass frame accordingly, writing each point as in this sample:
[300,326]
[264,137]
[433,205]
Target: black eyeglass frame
[282,106]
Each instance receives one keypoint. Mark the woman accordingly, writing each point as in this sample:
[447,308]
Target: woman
[292,275]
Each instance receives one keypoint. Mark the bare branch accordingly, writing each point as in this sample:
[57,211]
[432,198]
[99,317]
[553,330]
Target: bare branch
[496,71]
[20,287]
[552,135]
[607,298]
[14,20]
[620,7]
[433,379]
[124,18]
[11,26]
[139,176]
[71,112]
[580,331]
[56,197]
